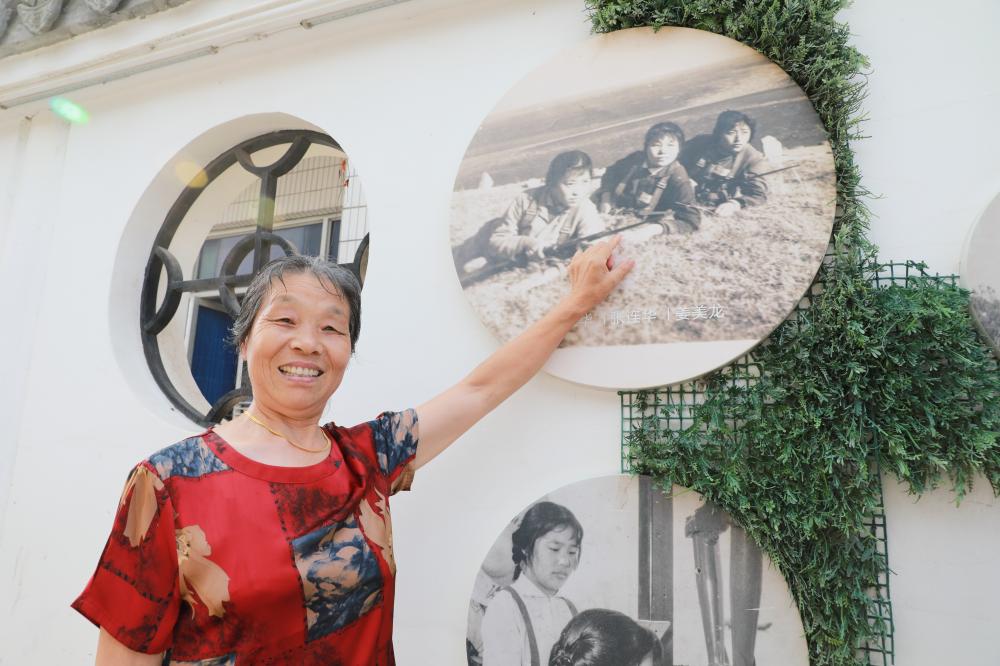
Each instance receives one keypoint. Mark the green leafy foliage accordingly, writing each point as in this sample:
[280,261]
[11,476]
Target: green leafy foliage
[869,377]
[866,378]
[932,389]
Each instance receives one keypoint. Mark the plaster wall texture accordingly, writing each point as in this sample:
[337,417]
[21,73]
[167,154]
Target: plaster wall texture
[403,89]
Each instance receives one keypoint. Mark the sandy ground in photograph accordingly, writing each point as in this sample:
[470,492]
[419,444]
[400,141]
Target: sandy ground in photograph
[755,266]
[980,272]
[986,311]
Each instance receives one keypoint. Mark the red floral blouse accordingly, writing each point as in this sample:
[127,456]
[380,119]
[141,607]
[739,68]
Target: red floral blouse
[219,560]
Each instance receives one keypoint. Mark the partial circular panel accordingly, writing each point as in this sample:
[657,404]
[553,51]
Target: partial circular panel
[981,273]
[614,569]
[708,160]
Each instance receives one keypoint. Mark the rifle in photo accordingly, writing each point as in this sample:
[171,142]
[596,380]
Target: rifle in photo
[555,250]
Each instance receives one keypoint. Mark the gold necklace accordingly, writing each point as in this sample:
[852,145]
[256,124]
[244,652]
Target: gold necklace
[266,427]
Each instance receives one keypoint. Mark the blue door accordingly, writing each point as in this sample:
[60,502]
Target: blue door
[213,361]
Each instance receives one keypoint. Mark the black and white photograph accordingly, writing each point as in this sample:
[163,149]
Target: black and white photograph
[981,273]
[612,571]
[706,158]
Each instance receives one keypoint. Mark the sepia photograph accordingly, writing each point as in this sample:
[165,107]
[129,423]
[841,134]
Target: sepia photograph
[703,155]
[611,571]
[980,273]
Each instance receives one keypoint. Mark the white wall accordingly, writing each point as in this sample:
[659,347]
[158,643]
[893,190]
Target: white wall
[932,156]
[403,90]
[933,97]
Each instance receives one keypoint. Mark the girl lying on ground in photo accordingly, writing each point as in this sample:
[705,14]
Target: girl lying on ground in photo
[602,637]
[524,619]
[651,180]
[539,219]
[726,169]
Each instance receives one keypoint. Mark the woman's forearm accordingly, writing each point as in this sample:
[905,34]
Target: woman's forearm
[507,370]
[445,417]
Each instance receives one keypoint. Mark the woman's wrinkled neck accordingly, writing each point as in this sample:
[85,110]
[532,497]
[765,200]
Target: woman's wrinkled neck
[304,422]
[276,438]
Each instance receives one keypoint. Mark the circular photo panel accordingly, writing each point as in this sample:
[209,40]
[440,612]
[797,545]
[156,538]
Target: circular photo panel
[704,156]
[981,273]
[613,572]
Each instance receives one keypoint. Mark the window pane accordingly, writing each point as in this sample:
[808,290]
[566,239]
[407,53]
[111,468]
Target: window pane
[225,245]
[333,251]
[208,260]
[306,239]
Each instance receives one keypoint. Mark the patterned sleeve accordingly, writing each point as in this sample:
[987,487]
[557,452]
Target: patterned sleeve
[134,593]
[396,435]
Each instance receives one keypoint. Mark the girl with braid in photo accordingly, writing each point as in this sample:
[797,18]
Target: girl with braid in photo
[524,619]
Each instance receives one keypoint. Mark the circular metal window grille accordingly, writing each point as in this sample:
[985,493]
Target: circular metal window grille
[165,284]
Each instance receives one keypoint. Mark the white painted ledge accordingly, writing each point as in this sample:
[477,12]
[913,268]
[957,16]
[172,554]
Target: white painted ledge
[193,30]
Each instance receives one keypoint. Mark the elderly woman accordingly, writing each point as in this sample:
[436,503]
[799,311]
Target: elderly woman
[267,539]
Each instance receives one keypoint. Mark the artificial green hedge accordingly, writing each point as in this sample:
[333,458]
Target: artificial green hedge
[867,378]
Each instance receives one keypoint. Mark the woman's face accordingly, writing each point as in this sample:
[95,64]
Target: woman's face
[555,556]
[298,346]
[663,151]
[573,188]
[736,138]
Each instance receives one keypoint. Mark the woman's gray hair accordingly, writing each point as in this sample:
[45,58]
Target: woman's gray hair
[343,281]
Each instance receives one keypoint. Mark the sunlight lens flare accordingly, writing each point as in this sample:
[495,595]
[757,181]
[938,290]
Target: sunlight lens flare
[191,174]
[68,110]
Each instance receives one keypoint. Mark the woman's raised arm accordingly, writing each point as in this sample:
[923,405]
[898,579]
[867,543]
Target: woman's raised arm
[446,416]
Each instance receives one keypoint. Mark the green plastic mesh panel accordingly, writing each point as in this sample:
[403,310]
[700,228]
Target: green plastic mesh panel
[880,650]
[671,406]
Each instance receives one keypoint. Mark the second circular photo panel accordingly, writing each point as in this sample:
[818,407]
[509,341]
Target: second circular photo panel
[612,571]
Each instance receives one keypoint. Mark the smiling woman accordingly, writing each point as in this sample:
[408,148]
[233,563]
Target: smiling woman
[297,329]
[275,531]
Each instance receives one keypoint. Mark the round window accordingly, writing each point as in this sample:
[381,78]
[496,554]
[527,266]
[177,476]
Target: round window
[285,192]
